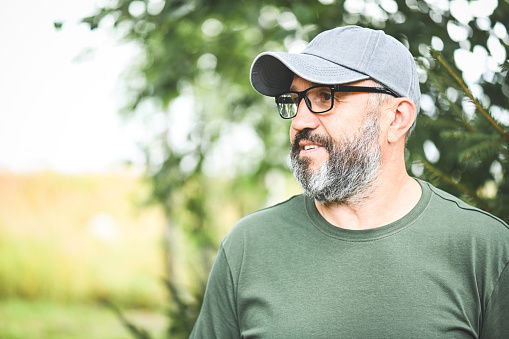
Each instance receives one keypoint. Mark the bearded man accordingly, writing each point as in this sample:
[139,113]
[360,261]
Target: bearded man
[367,251]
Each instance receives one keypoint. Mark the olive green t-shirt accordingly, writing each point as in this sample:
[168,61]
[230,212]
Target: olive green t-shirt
[285,272]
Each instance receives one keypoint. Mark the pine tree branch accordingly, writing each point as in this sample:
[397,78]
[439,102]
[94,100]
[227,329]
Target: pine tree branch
[480,148]
[454,108]
[467,136]
[505,66]
[435,171]
[438,57]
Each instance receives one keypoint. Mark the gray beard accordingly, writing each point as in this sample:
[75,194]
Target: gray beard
[349,176]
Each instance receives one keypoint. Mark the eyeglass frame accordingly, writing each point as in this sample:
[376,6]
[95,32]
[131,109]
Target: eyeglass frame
[334,89]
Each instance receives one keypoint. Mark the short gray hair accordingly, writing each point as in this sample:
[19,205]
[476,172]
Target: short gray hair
[376,100]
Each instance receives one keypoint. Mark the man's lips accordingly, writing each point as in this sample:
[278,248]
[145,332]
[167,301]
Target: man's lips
[306,143]
[308,146]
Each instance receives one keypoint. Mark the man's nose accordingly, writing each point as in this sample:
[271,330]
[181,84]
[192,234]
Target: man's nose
[304,118]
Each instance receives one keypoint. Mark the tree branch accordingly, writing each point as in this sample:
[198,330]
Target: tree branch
[438,57]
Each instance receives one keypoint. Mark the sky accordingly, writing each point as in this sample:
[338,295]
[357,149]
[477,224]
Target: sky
[60,91]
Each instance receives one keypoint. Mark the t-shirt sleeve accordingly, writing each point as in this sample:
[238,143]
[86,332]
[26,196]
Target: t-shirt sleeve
[496,317]
[218,316]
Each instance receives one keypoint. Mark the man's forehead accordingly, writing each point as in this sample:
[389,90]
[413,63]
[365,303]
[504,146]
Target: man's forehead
[299,83]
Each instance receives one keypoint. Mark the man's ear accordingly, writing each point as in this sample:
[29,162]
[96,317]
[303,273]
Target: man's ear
[403,117]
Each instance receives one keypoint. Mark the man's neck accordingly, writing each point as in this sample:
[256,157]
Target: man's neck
[392,199]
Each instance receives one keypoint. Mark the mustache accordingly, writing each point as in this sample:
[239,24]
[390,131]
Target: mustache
[309,135]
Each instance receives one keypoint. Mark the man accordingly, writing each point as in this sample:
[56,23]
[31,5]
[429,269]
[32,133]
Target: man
[367,251]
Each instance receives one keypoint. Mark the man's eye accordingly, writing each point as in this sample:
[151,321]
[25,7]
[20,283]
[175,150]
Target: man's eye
[325,96]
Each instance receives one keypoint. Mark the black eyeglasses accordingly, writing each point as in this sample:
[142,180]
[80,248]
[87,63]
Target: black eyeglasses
[319,99]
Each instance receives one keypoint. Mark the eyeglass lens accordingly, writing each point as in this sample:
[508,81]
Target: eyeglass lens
[318,100]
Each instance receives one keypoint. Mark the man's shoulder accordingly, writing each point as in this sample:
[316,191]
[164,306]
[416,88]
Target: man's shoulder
[277,213]
[289,206]
[268,222]
[445,205]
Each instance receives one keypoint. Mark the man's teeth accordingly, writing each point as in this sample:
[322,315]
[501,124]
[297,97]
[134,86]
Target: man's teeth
[308,147]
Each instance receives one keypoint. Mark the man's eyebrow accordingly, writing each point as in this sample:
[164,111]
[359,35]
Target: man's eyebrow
[294,89]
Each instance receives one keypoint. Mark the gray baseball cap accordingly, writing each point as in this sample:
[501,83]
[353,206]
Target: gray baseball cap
[339,56]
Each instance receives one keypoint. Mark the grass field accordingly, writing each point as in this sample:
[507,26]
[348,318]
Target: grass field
[21,319]
[69,242]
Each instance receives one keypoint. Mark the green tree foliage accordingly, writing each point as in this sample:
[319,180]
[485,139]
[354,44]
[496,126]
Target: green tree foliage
[231,152]
[475,144]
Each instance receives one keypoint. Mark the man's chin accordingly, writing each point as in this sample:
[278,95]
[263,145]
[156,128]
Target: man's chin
[312,164]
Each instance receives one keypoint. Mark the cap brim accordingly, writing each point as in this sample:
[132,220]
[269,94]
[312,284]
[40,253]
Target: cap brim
[272,72]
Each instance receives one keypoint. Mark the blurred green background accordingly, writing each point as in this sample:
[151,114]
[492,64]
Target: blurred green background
[70,242]
[215,150]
